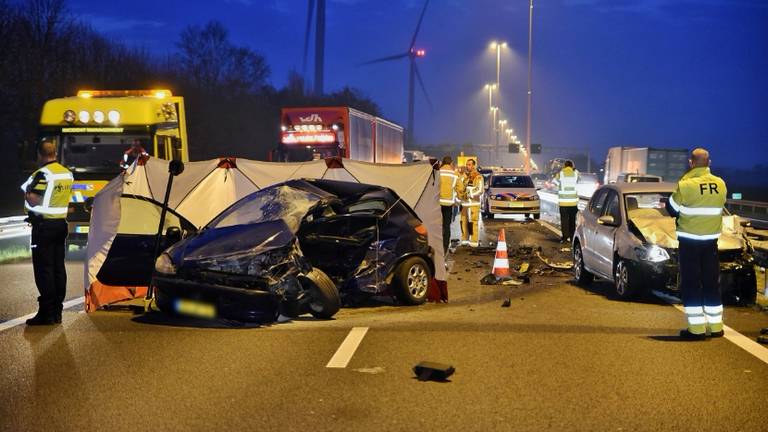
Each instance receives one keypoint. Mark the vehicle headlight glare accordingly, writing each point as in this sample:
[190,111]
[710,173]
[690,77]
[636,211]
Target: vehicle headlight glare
[164,264]
[114,117]
[652,253]
[69,116]
[98,116]
[84,116]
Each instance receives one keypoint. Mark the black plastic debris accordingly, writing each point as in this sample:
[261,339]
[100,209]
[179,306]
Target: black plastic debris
[507,302]
[431,371]
[491,279]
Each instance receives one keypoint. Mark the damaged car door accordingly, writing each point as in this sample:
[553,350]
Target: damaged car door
[131,259]
[337,242]
[605,233]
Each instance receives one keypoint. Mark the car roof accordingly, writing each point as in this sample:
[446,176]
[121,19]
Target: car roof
[640,187]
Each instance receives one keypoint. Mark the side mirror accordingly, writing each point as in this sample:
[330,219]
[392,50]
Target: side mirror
[606,220]
[173,235]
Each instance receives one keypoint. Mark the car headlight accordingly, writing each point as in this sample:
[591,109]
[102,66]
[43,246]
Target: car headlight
[164,264]
[652,253]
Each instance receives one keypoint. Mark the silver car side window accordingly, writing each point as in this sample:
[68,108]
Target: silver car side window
[597,202]
[612,206]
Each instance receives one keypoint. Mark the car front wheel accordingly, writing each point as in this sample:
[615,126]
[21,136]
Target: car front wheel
[624,280]
[411,281]
[324,300]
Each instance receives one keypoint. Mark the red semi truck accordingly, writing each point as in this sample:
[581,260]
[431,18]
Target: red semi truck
[310,133]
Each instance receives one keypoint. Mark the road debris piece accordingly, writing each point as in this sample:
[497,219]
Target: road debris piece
[431,371]
[511,282]
[491,279]
[565,249]
[564,265]
[507,302]
[523,267]
[372,370]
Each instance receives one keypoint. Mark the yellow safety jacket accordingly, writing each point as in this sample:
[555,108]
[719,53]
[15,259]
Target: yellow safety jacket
[474,191]
[448,180]
[566,193]
[698,203]
[53,182]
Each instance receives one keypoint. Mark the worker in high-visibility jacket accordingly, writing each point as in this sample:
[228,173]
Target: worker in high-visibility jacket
[697,203]
[448,181]
[567,200]
[472,185]
[47,193]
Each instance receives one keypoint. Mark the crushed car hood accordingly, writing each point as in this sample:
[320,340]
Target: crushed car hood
[235,249]
[660,230]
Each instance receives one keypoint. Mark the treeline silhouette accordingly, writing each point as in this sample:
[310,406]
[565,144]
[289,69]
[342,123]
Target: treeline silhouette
[232,110]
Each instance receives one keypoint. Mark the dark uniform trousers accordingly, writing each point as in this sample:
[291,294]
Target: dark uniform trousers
[699,272]
[568,221]
[447,219]
[48,249]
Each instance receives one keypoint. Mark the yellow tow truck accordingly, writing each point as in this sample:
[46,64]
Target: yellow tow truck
[93,130]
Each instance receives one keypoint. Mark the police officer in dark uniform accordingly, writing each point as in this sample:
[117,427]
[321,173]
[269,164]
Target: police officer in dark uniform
[698,206]
[47,193]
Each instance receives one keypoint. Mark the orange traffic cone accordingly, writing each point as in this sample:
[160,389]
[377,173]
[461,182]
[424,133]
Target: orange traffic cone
[501,263]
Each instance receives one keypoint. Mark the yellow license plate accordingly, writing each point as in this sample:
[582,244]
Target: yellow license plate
[82,229]
[195,308]
[514,204]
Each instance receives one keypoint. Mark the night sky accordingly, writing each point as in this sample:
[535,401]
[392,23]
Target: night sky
[663,73]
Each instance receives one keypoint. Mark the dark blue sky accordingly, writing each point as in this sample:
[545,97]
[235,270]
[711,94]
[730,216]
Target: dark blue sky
[663,73]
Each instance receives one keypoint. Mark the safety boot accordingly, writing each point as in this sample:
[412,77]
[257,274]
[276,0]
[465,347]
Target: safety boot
[42,319]
[685,334]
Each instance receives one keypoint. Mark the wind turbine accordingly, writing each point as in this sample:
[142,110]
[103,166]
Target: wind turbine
[412,54]
[319,43]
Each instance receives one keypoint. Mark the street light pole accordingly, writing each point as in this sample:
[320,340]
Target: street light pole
[490,88]
[530,92]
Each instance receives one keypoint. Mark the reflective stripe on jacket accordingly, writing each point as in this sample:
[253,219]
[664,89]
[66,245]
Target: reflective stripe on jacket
[698,203]
[54,183]
[474,191]
[448,180]
[566,193]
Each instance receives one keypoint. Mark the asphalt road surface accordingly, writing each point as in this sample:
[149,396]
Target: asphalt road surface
[560,357]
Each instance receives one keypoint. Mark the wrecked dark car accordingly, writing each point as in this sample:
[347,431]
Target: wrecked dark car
[297,247]
[625,235]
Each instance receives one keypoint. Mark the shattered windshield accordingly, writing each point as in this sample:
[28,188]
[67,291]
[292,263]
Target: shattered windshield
[646,204]
[276,203]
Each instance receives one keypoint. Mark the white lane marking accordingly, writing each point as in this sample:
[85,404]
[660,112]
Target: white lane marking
[347,348]
[741,341]
[550,227]
[21,320]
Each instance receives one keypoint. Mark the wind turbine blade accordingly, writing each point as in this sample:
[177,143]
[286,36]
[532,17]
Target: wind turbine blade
[307,31]
[423,87]
[384,59]
[418,26]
